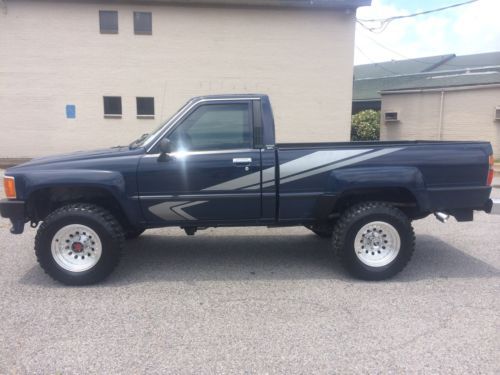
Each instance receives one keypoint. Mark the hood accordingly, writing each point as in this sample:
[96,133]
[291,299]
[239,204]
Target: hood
[77,156]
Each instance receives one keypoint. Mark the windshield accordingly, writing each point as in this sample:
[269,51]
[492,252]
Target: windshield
[147,138]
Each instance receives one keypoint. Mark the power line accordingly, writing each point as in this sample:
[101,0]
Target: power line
[373,62]
[445,63]
[384,22]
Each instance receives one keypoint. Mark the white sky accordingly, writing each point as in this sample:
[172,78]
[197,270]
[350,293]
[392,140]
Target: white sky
[469,29]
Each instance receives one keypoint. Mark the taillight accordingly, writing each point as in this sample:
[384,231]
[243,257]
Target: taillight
[491,171]
[9,185]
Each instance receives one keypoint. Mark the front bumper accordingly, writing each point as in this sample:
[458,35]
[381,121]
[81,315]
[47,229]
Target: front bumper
[16,212]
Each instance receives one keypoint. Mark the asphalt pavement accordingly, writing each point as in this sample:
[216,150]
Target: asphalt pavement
[257,300]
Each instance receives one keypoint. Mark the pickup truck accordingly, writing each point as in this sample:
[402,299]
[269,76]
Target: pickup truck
[215,163]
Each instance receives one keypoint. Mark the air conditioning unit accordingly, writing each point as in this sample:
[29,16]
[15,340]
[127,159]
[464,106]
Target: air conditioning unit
[497,113]
[391,116]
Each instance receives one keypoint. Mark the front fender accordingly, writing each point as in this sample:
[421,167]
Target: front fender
[111,181]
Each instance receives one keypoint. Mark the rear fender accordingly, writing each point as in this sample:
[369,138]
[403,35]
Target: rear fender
[372,179]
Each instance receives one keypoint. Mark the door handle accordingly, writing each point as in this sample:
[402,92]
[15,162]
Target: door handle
[242,161]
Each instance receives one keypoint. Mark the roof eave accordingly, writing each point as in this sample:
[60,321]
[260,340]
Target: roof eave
[439,88]
[333,4]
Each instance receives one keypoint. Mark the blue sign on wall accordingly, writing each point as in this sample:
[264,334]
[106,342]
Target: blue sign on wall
[70,111]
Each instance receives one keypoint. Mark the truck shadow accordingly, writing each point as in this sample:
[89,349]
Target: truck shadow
[155,257]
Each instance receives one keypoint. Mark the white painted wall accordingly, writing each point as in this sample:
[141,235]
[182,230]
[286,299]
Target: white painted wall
[52,54]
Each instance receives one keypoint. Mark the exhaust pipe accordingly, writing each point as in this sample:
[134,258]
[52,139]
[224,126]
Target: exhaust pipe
[441,216]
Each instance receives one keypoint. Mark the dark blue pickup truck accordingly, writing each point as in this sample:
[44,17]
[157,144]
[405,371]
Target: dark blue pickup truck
[216,163]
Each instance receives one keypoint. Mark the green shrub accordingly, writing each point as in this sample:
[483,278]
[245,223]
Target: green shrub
[365,126]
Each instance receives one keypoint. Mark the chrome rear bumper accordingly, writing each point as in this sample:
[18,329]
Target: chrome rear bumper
[495,207]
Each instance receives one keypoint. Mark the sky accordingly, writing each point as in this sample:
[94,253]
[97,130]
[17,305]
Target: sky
[468,29]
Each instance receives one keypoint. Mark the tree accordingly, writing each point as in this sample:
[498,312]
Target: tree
[365,126]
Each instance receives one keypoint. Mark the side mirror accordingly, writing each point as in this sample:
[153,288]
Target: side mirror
[165,149]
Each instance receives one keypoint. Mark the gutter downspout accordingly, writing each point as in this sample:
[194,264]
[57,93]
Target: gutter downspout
[441,109]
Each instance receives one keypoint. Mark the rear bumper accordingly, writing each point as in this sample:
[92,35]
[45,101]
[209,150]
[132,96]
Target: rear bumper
[16,212]
[493,206]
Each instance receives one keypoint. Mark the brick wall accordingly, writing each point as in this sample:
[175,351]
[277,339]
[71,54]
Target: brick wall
[52,54]
[468,114]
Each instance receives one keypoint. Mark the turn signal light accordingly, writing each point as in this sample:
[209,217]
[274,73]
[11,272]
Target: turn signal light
[9,185]
[491,171]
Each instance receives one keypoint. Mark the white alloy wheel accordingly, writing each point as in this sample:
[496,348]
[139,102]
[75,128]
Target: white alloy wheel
[377,244]
[76,248]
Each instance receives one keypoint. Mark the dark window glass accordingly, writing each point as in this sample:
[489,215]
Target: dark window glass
[143,23]
[108,21]
[112,105]
[214,127]
[145,106]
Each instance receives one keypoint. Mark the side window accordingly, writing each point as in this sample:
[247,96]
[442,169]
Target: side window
[214,127]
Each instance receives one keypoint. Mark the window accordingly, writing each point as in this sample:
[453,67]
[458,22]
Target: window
[143,23]
[214,127]
[108,21]
[112,106]
[145,107]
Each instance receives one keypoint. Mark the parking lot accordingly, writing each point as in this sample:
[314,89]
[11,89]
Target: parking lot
[257,300]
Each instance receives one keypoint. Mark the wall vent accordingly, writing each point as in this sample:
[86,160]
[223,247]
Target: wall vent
[391,116]
[497,113]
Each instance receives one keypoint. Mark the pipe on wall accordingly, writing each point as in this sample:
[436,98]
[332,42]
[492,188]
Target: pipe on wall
[441,111]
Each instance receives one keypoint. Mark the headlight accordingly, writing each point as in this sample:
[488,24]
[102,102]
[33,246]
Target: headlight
[9,185]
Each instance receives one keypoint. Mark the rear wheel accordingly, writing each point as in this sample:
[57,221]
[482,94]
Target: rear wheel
[79,244]
[374,240]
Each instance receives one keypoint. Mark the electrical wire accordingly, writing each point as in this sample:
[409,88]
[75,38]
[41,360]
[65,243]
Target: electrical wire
[421,61]
[384,22]
[373,62]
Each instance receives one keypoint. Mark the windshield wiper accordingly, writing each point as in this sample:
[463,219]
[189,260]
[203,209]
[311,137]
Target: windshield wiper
[138,141]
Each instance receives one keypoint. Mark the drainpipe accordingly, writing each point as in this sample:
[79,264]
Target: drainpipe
[441,108]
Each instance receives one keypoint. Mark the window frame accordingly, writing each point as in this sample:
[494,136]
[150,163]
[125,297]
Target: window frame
[144,116]
[142,32]
[112,115]
[249,103]
[109,31]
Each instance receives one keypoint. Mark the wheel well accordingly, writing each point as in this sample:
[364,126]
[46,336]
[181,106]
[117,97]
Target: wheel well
[398,197]
[44,201]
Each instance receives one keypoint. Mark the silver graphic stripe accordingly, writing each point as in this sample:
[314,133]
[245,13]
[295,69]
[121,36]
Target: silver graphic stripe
[307,162]
[174,210]
[340,164]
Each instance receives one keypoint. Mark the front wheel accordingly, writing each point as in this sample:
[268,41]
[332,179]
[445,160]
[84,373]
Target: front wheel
[79,244]
[374,240]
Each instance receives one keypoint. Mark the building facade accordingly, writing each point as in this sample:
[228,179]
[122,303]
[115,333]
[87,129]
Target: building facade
[461,106]
[82,75]
[445,97]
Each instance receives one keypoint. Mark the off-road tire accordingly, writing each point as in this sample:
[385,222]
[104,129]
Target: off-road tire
[101,222]
[353,219]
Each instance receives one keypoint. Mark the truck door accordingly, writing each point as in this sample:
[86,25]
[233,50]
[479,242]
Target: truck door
[213,172]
